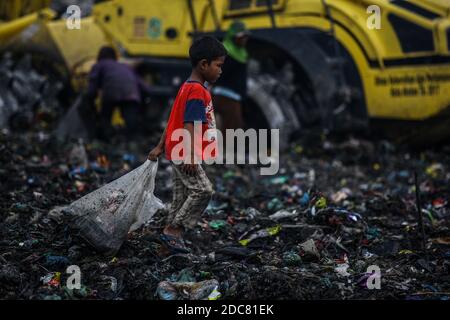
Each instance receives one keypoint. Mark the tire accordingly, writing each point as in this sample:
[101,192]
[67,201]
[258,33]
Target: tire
[279,102]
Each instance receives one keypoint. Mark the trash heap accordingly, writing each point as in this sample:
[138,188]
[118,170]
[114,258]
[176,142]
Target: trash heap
[26,96]
[338,221]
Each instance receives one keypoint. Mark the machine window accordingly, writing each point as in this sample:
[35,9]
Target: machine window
[240,4]
[262,3]
[413,38]
[416,9]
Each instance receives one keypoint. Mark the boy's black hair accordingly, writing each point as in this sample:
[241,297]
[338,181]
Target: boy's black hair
[208,48]
[106,52]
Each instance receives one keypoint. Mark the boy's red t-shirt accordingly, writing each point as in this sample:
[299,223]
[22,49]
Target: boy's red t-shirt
[192,104]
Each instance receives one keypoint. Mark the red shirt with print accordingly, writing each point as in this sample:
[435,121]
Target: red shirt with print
[192,104]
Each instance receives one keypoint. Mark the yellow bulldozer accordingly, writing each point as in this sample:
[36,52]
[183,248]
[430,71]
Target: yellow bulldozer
[339,64]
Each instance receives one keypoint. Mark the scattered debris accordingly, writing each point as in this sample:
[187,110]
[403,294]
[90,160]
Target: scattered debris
[205,290]
[311,232]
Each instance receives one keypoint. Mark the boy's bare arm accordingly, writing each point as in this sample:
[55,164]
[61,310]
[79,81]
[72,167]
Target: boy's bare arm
[190,167]
[159,149]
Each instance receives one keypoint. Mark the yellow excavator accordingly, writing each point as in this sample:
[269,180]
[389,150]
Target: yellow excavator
[340,64]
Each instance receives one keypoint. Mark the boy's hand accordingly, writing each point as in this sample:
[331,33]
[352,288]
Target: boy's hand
[189,169]
[155,153]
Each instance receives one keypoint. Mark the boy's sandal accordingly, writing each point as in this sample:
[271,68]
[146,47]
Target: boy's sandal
[173,243]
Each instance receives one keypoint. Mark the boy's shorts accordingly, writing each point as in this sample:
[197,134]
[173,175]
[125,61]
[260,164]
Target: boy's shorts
[191,195]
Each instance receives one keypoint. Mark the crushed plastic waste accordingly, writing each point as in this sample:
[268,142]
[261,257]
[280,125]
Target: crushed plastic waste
[321,203]
[309,248]
[52,279]
[292,259]
[283,214]
[52,261]
[261,234]
[204,290]
[305,199]
[341,195]
[217,224]
[252,213]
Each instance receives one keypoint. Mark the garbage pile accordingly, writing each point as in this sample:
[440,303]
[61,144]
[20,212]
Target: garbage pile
[26,96]
[339,221]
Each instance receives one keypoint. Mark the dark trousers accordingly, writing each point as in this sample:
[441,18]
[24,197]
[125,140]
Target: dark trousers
[130,113]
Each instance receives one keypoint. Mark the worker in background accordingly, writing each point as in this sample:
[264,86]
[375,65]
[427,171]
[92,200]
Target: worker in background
[120,87]
[231,89]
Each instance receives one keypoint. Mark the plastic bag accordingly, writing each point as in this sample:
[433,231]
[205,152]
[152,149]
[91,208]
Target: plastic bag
[77,122]
[105,216]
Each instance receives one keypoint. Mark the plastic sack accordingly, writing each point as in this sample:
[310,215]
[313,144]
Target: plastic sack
[76,123]
[105,216]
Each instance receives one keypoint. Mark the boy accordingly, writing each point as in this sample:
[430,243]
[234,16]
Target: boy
[193,105]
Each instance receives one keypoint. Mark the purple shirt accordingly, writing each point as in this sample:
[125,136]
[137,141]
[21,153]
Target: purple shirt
[117,81]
